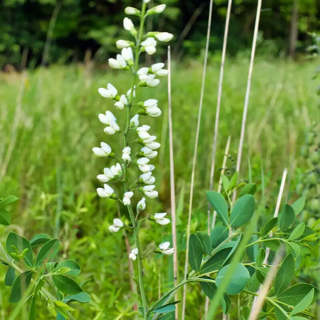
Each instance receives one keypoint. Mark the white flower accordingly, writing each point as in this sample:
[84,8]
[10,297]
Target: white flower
[127,198]
[159,9]
[147,178]
[143,71]
[127,54]
[131,11]
[110,120]
[151,106]
[158,69]
[142,161]
[104,151]
[123,44]
[149,139]
[128,24]
[152,82]
[164,36]
[118,63]
[153,145]
[113,228]
[149,45]
[141,205]
[110,92]
[133,254]
[161,218]
[116,170]
[150,192]
[146,77]
[149,153]
[122,102]
[165,248]
[105,192]
[134,121]
[117,225]
[126,152]
[146,167]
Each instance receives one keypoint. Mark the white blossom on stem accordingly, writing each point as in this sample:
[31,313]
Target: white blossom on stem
[147,178]
[126,154]
[157,68]
[127,198]
[149,153]
[128,25]
[123,44]
[123,101]
[161,218]
[151,107]
[141,205]
[165,248]
[127,55]
[164,36]
[103,151]
[131,11]
[118,63]
[149,45]
[150,192]
[109,92]
[110,120]
[105,192]
[133,254]
[134,121]
[116,226]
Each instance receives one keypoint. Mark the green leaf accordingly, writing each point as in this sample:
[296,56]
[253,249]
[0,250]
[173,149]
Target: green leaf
[48,251]
[249,188]
[170,307]
[238,280]
[18,247]
[219,204]
[82,297]
[242,211]
[72,268]
[5,217]
[4,202]
[295,249]
[195,252]
[269,226]
[225,183]
[208,288]
[39,239]
[295,294]
[216,262]
[285,274]
[286,218]
[218,235]
[304,303]
[19,286]
[298,231]
[10,276]
[205,242]
[66,285]
[253,250]
[298,205]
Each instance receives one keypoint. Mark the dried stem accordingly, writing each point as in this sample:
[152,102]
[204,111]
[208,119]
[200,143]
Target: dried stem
[172,184]
[194,162]
[247,97]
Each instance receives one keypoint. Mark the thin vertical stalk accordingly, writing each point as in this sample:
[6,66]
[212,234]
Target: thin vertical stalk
[172,183]
[276,211]
[247,97]
[216,126]
[194,161]
[264,289]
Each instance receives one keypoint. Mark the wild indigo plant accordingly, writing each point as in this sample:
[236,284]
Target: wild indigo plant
[128,177]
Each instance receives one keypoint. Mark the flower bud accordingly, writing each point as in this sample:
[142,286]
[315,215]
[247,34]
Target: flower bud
[128,25]
[164,36]
[131,11]
[123,44]
[157,9]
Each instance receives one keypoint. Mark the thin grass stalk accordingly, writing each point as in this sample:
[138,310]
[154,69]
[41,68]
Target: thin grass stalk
[260,298]
[220,86]
[247,97]
[276,211]
[172,184]
[195,153]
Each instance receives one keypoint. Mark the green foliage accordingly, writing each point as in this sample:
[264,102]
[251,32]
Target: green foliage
[32,268]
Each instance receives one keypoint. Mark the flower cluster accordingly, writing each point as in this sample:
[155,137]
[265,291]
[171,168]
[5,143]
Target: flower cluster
[139,146]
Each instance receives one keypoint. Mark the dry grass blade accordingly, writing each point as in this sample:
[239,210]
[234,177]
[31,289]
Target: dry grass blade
[172,183]
[258,302]
[247,97]
[195,153]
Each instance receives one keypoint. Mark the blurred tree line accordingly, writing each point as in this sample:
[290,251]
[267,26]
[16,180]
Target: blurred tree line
[47,31]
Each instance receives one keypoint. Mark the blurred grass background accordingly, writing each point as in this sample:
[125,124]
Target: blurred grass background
[48,126]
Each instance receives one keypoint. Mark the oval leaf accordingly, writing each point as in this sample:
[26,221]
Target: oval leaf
[195,252]
[238,280]
[19,286]
[219,204]
[242,211]
[304,303]
[285,274]
[66,285]
[286,218]
[48,251]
